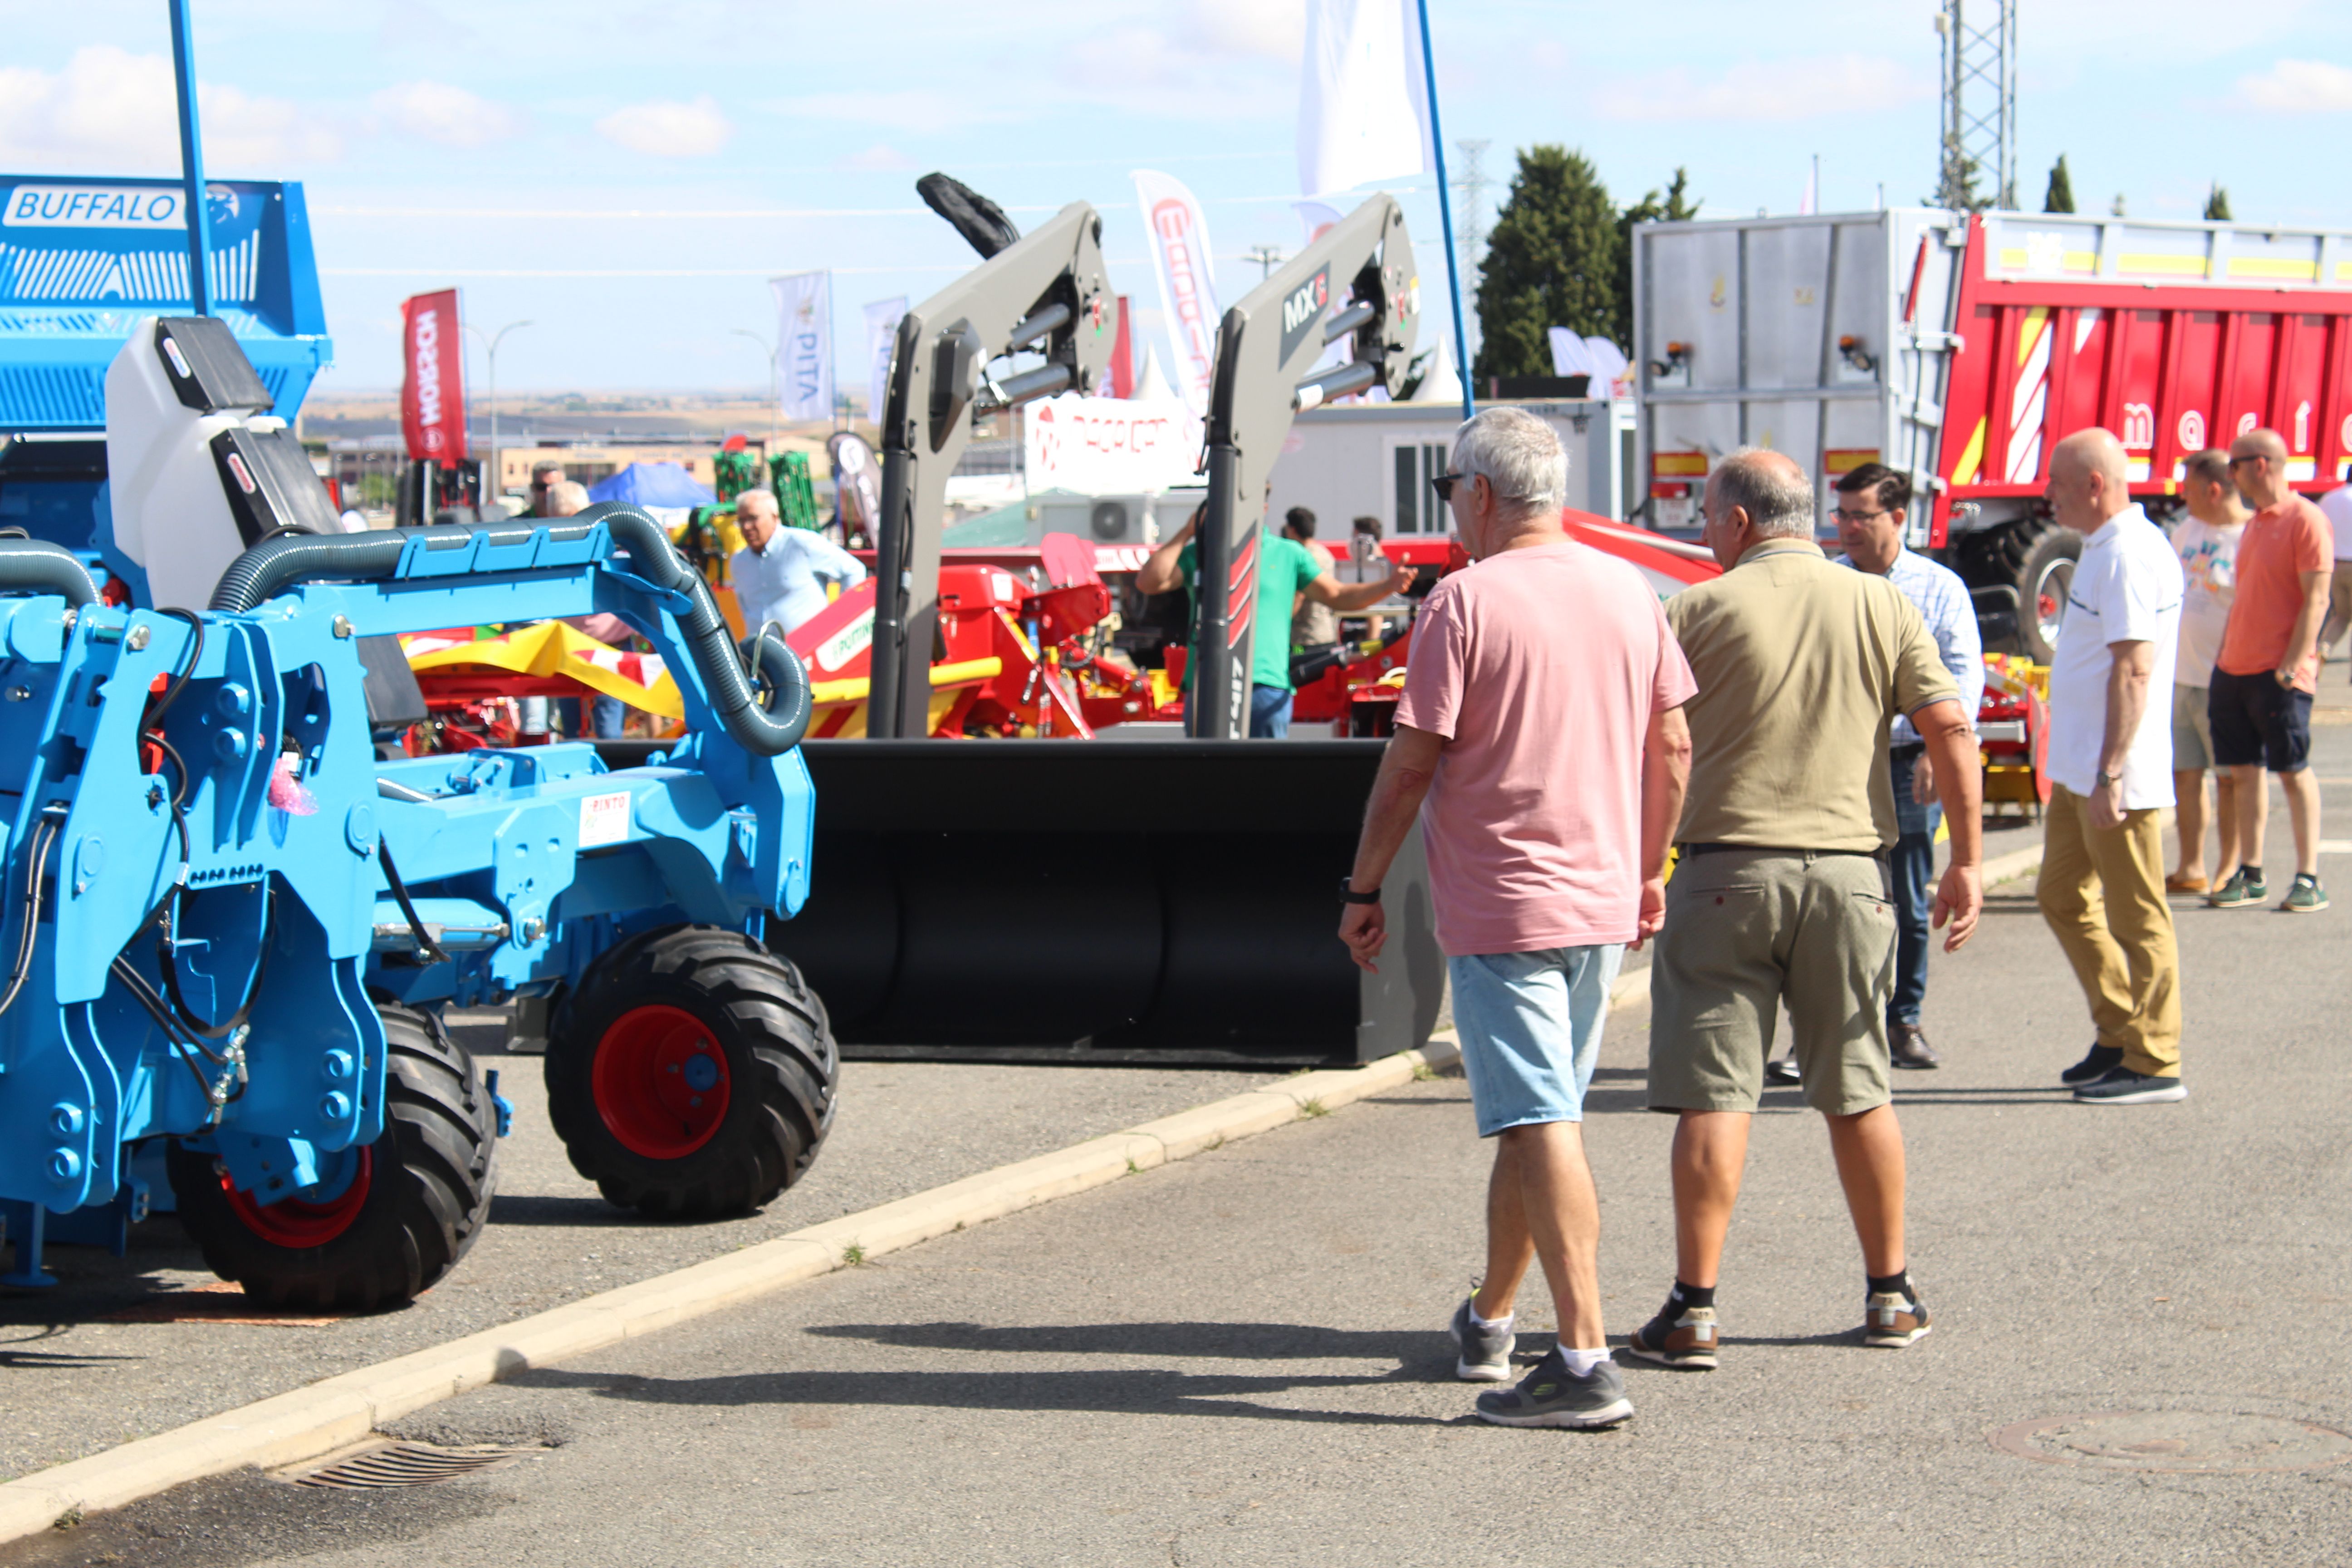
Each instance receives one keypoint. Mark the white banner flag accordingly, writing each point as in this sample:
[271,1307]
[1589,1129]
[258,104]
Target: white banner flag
[1316,219]
[881,337]
[1363,101]
[1108,445]
[1187,285]
[804,343]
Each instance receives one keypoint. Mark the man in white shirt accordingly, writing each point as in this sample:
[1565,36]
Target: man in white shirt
[781,573]
[2110,762]
[2206,544]
[2337,504]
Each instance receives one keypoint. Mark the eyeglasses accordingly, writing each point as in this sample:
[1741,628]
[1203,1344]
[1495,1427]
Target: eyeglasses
[2257,458]
[1444,485]
[1857,517]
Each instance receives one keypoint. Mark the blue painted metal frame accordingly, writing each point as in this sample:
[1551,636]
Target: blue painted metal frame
[294,911]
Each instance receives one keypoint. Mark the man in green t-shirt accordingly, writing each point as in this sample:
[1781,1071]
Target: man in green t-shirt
[1285,570]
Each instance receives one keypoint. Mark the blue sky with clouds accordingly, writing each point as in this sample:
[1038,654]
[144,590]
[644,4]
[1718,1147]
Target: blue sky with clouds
[502,144]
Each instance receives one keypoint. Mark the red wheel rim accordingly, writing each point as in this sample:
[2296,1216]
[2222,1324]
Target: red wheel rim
[660,1082]
[297,1222]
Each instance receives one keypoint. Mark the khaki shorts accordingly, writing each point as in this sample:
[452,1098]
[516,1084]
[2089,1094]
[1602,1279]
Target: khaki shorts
[2193,729]
[1747,931]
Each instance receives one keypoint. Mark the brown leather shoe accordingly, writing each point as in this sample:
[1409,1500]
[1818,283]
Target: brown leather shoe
[2177,883]
[1907,1044]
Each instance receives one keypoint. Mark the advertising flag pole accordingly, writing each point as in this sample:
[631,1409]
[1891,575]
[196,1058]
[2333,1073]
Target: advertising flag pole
[1445,216]
[192,165]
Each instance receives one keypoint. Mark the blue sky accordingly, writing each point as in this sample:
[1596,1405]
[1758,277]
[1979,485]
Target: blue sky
[443,142]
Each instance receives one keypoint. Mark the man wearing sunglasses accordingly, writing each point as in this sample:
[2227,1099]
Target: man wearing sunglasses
[1539,738]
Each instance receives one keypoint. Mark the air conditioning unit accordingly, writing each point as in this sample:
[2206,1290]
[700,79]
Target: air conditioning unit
[1113,520]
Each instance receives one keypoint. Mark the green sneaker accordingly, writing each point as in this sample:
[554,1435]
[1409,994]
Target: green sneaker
[2305,897]
[2244,886]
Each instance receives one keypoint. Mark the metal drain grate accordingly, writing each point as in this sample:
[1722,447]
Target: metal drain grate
[408,1465]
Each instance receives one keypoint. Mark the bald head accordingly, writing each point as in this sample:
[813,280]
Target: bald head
[1754,495]
[2258,462]
[2089,482]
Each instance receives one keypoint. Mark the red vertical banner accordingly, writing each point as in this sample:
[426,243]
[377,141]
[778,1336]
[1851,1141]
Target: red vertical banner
[1122,355]
[433,378]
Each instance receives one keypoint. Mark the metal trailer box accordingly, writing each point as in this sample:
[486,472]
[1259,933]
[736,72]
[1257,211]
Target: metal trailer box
[1796,333]
[1376,459]
[1959,348]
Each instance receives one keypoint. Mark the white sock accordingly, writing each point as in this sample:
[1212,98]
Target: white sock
[1501,1325]
[1581,1363]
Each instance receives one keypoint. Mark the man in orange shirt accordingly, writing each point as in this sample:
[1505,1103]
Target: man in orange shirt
[2269,668]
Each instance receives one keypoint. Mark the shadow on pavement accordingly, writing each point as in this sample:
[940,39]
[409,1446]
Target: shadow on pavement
[561,1210]
[1222,1342]
[1140,1391]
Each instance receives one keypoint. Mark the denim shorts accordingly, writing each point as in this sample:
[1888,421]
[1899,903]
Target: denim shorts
[1530,1027]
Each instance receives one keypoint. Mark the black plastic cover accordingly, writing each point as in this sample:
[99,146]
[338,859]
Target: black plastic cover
[207,367]
[395,701]
[981,221]
[271,485]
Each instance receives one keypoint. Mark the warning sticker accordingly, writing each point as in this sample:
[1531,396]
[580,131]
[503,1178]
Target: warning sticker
[604,819]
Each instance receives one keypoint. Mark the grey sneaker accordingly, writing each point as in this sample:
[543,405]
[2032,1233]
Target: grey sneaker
[1485,1356]
[1551,1395]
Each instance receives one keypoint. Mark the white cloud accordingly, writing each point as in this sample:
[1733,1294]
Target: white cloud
[2299,87]
[1276,29]
[438,111]
[1808,88]
[666,128]
[110,110]
[881,158]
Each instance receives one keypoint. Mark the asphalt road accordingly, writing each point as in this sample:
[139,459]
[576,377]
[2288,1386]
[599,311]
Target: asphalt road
[1239,1359]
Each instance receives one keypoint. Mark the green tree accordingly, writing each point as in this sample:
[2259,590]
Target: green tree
[1957,190]
[2216,205]
[1678,205]
[1552,260]
[2061,195]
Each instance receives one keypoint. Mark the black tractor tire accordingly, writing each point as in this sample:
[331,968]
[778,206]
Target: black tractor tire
[430,1178]
[692,1073]
[2043,576]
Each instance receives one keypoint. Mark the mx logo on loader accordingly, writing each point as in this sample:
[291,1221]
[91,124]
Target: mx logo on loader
[1303,308]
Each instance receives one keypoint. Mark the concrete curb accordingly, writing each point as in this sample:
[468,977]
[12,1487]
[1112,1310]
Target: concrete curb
[290,1427]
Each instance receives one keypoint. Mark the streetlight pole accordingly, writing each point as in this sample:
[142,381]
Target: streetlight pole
[775,432]
[496,485]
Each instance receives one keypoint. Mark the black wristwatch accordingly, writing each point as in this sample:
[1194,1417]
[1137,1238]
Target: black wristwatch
[1347,895]
[2101,781]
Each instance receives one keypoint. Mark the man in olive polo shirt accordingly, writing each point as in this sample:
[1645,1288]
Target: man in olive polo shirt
[1780,896]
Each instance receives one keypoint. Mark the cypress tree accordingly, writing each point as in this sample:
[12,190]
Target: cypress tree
[1553,259]
[2216,205]
[2061,196]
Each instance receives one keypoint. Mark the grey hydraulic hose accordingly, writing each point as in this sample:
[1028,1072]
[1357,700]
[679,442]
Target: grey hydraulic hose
[37,566]
[767,730]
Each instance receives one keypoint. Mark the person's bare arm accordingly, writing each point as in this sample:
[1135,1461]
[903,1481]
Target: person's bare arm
[1325,590]
[1407,766]
[1959,787]
[2307,622]
[2127,681]
[1162,570]
[1666,779]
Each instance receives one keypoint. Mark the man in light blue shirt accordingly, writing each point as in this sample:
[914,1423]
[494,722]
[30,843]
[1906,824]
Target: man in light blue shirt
[1874,503]
[780,574]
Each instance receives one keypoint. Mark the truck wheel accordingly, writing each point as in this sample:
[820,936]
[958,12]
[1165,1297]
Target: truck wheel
[691,1074]
[2043,579]
[385,1221]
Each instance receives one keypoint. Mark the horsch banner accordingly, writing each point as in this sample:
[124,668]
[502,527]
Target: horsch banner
[1108,445]
[1188,285]
[433,378]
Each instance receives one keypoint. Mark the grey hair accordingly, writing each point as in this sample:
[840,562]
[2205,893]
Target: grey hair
[568,495]
[767,496]
[1779,505]
[1519,455]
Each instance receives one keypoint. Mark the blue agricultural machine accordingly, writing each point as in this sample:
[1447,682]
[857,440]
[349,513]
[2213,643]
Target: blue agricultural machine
[232,912]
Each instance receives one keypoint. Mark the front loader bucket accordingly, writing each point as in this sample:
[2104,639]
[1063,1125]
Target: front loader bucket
[1168,902]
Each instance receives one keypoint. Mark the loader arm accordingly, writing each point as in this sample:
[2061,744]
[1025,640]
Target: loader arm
[1357,285]
[1048,293]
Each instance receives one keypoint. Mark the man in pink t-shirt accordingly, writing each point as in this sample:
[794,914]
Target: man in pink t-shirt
[1540,740]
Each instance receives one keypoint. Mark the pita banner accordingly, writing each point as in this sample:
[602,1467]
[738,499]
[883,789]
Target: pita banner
[433,378]
[1188,285]
[881,338]
[1363,101]
[804,343]
[1108,445]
